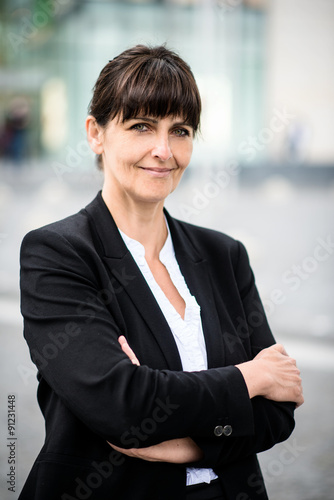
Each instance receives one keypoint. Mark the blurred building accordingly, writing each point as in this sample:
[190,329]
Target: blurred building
[265,70]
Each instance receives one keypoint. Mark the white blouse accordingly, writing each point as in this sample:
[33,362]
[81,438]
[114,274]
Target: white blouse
[188,333]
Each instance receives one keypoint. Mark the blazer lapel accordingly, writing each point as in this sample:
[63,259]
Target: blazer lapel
[130,280]
[134,284]
[196,274]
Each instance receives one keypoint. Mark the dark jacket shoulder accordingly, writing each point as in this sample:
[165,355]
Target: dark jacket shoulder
[210,244]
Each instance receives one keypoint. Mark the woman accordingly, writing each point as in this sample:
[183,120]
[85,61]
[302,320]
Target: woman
[158,374]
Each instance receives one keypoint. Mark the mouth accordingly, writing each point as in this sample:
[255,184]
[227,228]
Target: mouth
[157,172]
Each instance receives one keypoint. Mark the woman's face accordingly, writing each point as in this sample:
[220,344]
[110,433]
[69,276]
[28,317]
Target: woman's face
[145,157]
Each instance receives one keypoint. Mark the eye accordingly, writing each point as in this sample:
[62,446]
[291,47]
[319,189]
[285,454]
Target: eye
[181,132]
[140,127]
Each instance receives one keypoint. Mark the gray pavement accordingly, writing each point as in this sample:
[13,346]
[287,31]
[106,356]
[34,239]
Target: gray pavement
[288,231]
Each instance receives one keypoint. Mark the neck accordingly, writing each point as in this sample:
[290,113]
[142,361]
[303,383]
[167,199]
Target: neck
[143,222]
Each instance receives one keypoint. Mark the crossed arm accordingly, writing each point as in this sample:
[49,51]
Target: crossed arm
[272,374]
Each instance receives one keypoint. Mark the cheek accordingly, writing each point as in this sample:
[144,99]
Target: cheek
[184,154]
[130,152]
[124,154]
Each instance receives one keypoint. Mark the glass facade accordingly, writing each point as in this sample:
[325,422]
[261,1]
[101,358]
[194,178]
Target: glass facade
[53,51]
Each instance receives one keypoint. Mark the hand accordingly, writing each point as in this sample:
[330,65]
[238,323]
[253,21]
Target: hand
[274,375]
[177,451]
[284,377]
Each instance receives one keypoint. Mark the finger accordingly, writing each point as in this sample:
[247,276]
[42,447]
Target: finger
[300,401]
[131,355]
[122,340]
[117,448]
[280,348]
[128,351]
[129,452]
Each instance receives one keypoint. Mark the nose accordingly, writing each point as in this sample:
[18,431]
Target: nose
[162,148]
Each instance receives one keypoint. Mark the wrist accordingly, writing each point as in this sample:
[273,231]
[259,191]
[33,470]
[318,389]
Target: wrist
[254,376]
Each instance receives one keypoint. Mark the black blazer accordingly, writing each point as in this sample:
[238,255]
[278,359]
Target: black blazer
[80,290]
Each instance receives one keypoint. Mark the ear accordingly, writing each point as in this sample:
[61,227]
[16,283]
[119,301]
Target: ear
[94,135]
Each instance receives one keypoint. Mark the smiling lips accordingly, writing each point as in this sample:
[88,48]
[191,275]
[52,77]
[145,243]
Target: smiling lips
[157,172]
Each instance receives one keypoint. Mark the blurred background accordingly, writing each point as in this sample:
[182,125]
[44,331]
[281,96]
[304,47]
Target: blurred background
[262,171]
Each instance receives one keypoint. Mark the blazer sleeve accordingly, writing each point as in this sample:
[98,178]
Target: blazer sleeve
[273,422]
[72,338]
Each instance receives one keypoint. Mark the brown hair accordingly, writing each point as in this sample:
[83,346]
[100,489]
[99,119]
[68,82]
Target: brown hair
[151,80]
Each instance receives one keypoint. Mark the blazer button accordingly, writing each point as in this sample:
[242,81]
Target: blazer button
[227,431]
[218,431]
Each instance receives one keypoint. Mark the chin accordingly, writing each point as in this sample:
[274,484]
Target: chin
[153,197]
[153,193]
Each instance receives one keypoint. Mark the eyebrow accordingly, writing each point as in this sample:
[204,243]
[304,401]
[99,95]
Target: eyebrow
[145,118]
[155,121]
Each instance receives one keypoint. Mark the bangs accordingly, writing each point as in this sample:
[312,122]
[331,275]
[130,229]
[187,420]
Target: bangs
[159,89]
